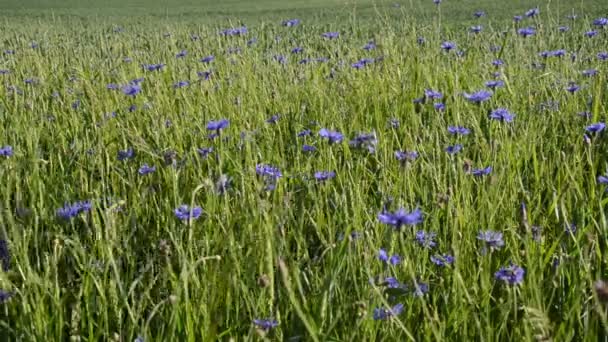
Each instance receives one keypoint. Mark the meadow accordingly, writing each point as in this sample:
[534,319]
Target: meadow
[303,170]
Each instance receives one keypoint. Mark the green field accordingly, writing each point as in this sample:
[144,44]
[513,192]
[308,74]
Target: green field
[165,178]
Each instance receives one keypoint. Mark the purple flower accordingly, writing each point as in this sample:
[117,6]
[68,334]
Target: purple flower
[502,114]
[362,63]
[589,72]
[596,127]
[432,94]
[602,56]
[6,151]
[600,22]
[5,296]
[482,172]
[447,46]
[71,210]
[205,151]
[146,170]
[405,156]
[563,29]
[517,18]
[591,33]
[266,324]
[498,62]
[204,74]
[181,84]
[297,49]
[126,154]
[453,149]
[439,106]
[322,176]
[383,313]
[183,212]
[218,125]
[512,275]
[420,289]
[458,130]
[365,140]
[238,31]
[492,239]
[5,255]
[573,88]
[401,218]
[308,148]
[426,239]
[495,84]
[526,31]
[207,59]
[532,12]
[181,54]
[442,260]
[369,46]
[112,86]
[304,133]
[476,29]
[332,136]
[479,14]
[478,97]
[153,67]
[330,35]
[268,171]
[290,22]
[392,260]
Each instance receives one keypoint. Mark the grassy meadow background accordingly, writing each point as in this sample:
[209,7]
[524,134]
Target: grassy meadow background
[300,249]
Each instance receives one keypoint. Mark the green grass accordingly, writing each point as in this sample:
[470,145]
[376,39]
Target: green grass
[130,268]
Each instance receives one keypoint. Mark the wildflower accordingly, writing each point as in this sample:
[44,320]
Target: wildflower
[589,72]
[447,46]
[600,22]
[238,31]
[495,84]
[453,149]
[145,169]
[502,114]
[512,275]
[5,296]
[382,313]
[369,46]
[426,239]
[304,133]
[498,62]
[392,260]
[570,228]
[365,140]
[266,324]
[536,233]
[517,18]
[153,67]
[280,58]
[218,125]
[482,172]
[602,56]
[269,171]
[591,33]
[393,122]
[478,97]
[432,94]
[204,74]
[184,212]
[420,289]
[420,40]
[572,88]
[291,22]
[596,127]
[297,49]
[207,59]
[322,176]
[205,151]
[492,239]
[126,154]
[442,260]
[308,148]
[6,151]
[479,14]
[563,29]
[362,63]
[332,136]
[458,130]
[476,29]
[533,12]
[526,31]
[181,84]
[330,35]
[72,210]
[401,218]
[439,106]
[405,156]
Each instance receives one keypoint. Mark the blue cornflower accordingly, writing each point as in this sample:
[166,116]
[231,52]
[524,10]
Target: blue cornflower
[512,275]
[5,255]
[297,49]
[218,125]
[495,84]
[498,62]
[478,97]
[563,29]
[280,59]
[237,31]
[432,94]
[442,260]
[401,218]
[71,210]
[205,151]
[153,67]
[533,12]
[308,148]
[269,171]
[573,88]
[589,72]
[137,81]
[273,119]
[492,239]
[447,46]
[426,239]
[440,106]
[332,136]
[362,63]
[126,154]
[476,28]
[322,176]
[453,149]
[181,54]
[602,56]
[526,31]
[5,296]
[420,40]
[420,289]
[112,86]
[405,156]
[305,133]
[369,46]
[517,18]
[393,122]
[365,140]
[600,22]
[596,127]
[266,324]
[181,84]
[479,14]
[482,172]
[6,151]
[131,89]
[383,313]
[183,212]
[502,114]
[290,22]
[204,74]
[4,71]
[392,260]
[331,35]
[591,33]
[458,130]
[208,59]
[145,169]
